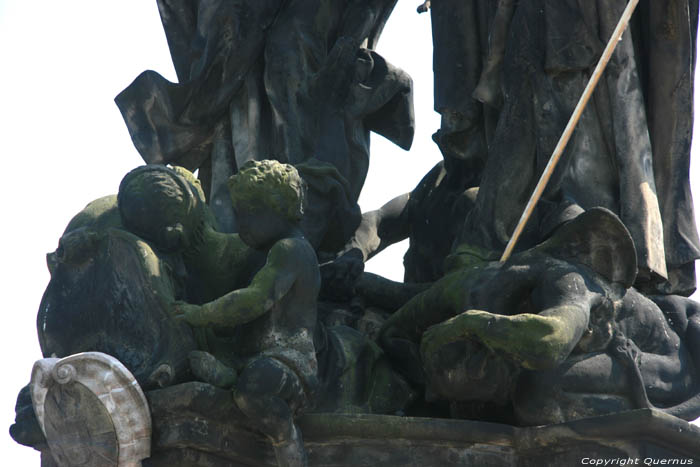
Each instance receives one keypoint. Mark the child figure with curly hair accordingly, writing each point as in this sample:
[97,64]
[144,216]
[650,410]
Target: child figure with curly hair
[272,321]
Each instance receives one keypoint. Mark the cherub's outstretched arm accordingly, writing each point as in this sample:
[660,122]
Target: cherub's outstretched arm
[241,306]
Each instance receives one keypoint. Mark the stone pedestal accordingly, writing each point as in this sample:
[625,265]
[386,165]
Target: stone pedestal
[94,415]
[198,425]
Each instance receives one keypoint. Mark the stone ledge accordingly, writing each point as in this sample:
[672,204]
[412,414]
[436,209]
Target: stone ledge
[198,425]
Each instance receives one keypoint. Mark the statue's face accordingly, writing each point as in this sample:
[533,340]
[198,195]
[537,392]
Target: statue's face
[261,227]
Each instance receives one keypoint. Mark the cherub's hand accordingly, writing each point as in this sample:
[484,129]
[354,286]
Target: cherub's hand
[191,314]
[208,369]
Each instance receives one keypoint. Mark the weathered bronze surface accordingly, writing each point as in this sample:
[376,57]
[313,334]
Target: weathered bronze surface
[236,297]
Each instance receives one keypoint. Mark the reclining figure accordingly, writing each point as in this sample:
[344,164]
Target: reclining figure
[556,331]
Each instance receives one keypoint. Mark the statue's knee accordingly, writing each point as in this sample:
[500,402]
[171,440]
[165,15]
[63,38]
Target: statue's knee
[269,383]
[241,396]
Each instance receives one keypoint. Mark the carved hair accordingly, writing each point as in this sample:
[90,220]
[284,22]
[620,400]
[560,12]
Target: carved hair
[271,185]
[155,199]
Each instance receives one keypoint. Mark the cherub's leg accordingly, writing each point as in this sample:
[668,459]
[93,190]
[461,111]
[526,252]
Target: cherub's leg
[205,367]
[268,393]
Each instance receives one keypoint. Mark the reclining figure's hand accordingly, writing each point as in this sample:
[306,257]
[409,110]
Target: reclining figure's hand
[340,276]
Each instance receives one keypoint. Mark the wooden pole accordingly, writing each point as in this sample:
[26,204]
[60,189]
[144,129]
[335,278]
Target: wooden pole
[568,131]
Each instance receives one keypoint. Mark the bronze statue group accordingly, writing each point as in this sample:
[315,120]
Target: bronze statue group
[249,276]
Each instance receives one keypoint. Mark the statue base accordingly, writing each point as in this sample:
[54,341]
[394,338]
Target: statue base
[195,424]
[198,425]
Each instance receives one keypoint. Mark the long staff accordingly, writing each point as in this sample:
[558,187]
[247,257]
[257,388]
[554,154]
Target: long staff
[568,131]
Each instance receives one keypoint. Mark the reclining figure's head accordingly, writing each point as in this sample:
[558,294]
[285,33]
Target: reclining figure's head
[162,205]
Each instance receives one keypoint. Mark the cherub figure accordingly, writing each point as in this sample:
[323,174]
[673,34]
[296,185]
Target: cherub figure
[272,320]
[125,261]
[133,269]
[166,207]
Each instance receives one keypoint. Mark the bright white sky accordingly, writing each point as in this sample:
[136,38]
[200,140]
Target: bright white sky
[65,143]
